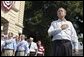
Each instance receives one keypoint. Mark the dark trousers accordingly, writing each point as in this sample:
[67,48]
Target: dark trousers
[32,53]
[61,48]
[39,54]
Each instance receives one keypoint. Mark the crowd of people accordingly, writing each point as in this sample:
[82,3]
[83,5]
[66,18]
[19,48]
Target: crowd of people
[17,46]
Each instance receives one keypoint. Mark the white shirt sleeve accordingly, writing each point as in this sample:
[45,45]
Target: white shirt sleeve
[36,46]
[74,37]
[2,43]
[53,30]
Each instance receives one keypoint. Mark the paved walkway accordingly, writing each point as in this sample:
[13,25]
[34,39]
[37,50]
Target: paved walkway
[80,53]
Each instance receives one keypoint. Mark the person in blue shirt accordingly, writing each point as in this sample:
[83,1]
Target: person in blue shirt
[22,47]
[10,45]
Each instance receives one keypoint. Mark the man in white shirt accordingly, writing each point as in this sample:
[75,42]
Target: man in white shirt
[63,34]
[33,47]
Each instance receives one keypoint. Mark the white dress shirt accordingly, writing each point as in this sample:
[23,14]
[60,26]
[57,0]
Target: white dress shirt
[68,33]
[33,47]
[2,44]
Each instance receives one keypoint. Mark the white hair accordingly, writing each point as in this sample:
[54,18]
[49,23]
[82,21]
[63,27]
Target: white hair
[31,38]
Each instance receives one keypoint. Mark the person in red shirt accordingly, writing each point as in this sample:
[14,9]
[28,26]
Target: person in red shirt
[40,49]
